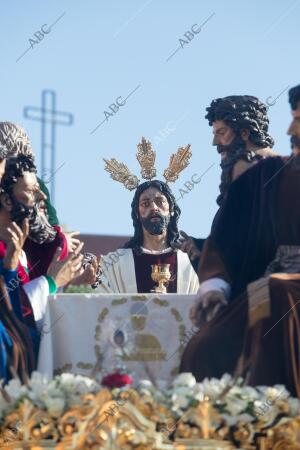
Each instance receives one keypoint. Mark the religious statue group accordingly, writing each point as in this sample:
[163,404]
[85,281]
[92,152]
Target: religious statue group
[245,276]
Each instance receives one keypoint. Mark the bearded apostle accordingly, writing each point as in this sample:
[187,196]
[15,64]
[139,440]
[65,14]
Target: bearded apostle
[248,304]
[21,199]
[16,350]
[155,216]
[240,133]
[16,142]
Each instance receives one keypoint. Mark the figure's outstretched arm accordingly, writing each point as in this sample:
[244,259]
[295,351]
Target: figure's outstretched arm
[215,289]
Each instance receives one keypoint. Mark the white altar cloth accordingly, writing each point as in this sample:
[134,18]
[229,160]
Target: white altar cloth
[78,333]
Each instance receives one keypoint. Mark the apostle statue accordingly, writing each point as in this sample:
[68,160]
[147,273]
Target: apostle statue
[240,134]
[248,303]
[155,215]
[16,351]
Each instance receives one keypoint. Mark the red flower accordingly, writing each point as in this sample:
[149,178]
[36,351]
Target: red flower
[116,380]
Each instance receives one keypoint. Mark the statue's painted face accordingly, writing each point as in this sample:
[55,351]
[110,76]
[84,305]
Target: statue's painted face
[27,190]
[294,130]
[226,139]
[2,168]
[154,211]
[27,200]
[223,134]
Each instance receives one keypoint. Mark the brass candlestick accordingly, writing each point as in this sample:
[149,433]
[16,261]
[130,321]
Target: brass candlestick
[160,274]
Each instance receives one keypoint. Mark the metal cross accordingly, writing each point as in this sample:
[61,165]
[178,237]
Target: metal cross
[49,118]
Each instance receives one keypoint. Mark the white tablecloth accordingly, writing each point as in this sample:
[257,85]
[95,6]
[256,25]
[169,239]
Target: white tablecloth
[79,329]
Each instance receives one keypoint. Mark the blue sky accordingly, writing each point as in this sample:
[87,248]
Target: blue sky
[99,51]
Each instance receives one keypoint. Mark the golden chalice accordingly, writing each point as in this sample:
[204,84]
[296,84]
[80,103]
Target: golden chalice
[160,274]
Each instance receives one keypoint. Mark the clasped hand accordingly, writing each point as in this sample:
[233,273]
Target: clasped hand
[14,238]
[64,271]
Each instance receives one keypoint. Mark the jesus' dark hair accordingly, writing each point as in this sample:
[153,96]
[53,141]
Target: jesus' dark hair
[294,96]
[137,240]
[242,112]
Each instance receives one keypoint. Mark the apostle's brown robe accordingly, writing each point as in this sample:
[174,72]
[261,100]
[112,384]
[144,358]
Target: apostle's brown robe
[261,213]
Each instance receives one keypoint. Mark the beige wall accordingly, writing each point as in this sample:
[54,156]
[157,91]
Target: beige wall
[101,244]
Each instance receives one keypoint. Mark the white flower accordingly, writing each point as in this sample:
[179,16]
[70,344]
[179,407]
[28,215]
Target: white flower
[145,387]
[55,406]
[212,388]
[67,381]
[37,386]
[38,378]
[15,390]
[260,408]
[180,401]
[144,384]
[294,406]
[277,392]
[54,390]
[198,392]
[264,411]
[227,380]
[248,393]
[185,379]
[235,405]
[184,391]
[76,384]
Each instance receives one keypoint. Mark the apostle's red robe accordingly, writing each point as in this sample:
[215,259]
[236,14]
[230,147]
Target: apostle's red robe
[39,256]
[38,259]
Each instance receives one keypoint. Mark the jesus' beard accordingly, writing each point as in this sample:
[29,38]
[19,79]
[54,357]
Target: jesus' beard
[40,231]
[158,227]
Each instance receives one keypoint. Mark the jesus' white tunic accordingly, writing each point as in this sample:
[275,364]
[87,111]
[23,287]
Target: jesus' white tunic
[119,273]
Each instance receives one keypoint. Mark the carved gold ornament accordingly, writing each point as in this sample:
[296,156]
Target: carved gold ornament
[120,172]
[146,157]
[178,162]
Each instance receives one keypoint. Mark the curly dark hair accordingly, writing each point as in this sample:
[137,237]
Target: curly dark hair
[3,152]
[294,96]
[15,168]
[242,112]
[137,240]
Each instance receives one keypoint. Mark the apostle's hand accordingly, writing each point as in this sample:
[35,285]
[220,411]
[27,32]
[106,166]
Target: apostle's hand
[89,275]
[65,271]
[187,245]
[15,238]
[72,242]
[207,306]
